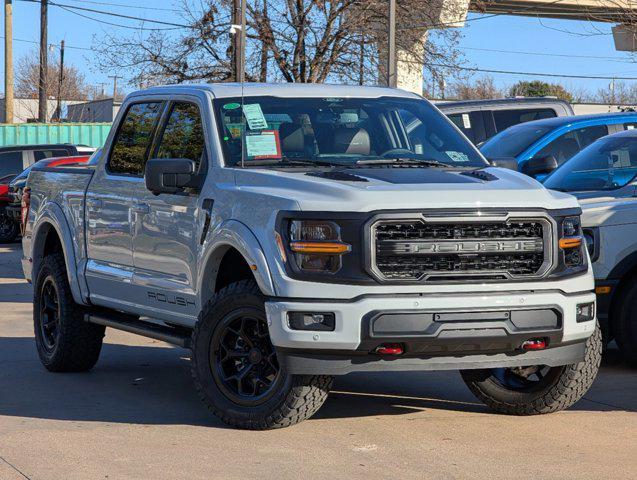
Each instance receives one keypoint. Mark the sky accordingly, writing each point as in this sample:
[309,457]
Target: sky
[517,34]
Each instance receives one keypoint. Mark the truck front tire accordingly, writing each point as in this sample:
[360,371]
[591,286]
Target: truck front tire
[65,342]
[536,390]
[235,369]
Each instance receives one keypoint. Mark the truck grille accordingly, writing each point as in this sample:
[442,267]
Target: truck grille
[422,250]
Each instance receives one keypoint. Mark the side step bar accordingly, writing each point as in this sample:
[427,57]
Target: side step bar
[131,324]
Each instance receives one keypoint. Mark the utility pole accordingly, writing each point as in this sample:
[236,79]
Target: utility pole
[102,85]
[8,61]
[60,82]
[114,77]
[392,80]
[42,97]
[239,39]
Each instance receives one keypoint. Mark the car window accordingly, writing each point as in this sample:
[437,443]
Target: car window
[507,118]
[183,135]
[41,154]
[132,141]
[607,164]
[514,140]
[630,126]
[10,162]
[565,147]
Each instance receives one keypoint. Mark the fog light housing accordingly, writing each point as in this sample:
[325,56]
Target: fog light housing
[313,321]
[585,312]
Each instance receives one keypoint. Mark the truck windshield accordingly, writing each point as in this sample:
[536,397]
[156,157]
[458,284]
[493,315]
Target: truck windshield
[271,131]
[513,141]
[607,164]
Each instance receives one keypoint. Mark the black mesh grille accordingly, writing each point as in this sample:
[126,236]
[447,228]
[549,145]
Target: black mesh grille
[413,249]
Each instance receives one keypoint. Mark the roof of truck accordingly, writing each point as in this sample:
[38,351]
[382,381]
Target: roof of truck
[224,90]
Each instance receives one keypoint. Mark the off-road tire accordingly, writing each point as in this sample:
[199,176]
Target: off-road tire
[77,343]
[9,229]
[625,322]
[296,398]
[563,386]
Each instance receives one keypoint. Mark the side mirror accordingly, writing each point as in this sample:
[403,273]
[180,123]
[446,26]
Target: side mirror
[170,175]
[539,165]
[510,163]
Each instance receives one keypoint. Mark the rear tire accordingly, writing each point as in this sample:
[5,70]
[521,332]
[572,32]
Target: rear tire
[513,391]
[625,323]
[235,370]
[65,342]
[9,230]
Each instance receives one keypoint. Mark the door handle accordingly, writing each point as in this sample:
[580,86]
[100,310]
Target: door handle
[141,208]
[94,203]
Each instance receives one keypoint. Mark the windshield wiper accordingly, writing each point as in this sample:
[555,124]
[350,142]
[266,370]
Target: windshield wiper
[402,161]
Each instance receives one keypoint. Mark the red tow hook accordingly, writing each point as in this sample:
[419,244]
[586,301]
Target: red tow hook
[389,349]
[535,344]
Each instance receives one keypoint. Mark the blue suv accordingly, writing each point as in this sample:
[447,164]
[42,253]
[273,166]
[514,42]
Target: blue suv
[539,147]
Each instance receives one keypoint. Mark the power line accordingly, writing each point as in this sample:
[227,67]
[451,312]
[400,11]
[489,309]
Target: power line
[123,5]
[112,14]
[542,54]
[530,74]
[104,22]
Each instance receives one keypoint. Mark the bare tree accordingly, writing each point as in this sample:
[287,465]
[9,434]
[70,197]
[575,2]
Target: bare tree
[27,77]
[481,89]
[290,40]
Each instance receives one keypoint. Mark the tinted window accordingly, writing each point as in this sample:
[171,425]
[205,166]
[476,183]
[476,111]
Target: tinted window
[568,145]
[630,126]
[133,139]
[507,118]
[605,165]
[183,135]
[513,141]
[471,125]
[10,162]
[41,154]
[268,131]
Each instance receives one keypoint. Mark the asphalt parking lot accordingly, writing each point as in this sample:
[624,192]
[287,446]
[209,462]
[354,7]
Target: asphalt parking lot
[136,416]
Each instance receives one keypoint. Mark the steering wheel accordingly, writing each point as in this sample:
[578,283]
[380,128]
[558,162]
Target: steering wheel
[398,152]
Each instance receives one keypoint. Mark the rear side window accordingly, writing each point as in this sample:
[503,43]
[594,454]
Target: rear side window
[10,163]
[630,126]
[183,135]
[507,118]
[42,154]
[565,147]
[132,141]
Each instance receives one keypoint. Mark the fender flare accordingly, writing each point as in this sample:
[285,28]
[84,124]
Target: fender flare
[52,216]
[233,234]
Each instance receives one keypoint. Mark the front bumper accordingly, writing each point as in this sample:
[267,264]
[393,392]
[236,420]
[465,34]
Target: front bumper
[471,331]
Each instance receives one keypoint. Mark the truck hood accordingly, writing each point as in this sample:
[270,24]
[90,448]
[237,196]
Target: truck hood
[607,210]
[395,188]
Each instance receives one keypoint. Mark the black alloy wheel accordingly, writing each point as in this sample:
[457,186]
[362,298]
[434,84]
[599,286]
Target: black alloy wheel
[49,314]
[243,359]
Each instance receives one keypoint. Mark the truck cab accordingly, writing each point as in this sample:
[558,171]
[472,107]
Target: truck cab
[286,234]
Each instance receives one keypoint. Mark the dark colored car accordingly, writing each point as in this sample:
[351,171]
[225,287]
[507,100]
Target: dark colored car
[480,120]
[15,158]
[11,211]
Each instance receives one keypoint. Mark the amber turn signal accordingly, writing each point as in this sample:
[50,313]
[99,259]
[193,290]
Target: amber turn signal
[570,242]
[330,248]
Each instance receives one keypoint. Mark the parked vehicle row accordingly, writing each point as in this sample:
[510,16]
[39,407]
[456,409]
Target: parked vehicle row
[17,161]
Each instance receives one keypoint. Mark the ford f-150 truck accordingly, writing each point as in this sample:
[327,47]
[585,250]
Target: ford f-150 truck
[290,233]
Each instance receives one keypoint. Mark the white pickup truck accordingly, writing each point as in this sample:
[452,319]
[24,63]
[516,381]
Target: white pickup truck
[289,233]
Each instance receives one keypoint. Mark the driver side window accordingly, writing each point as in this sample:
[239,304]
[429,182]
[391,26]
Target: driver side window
[568,145]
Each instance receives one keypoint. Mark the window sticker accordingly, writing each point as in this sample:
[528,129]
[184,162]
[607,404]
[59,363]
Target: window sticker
[254,116]
[265,144]
[231,106]
[457,156]
[466,121]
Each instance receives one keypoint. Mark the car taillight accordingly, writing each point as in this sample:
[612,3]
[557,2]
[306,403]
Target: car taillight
[24,208]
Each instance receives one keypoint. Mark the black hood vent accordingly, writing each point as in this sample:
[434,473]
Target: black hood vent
[338,175]
[480,175]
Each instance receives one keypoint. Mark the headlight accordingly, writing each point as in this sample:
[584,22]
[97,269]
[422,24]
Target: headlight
[316,245]
[571,242]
